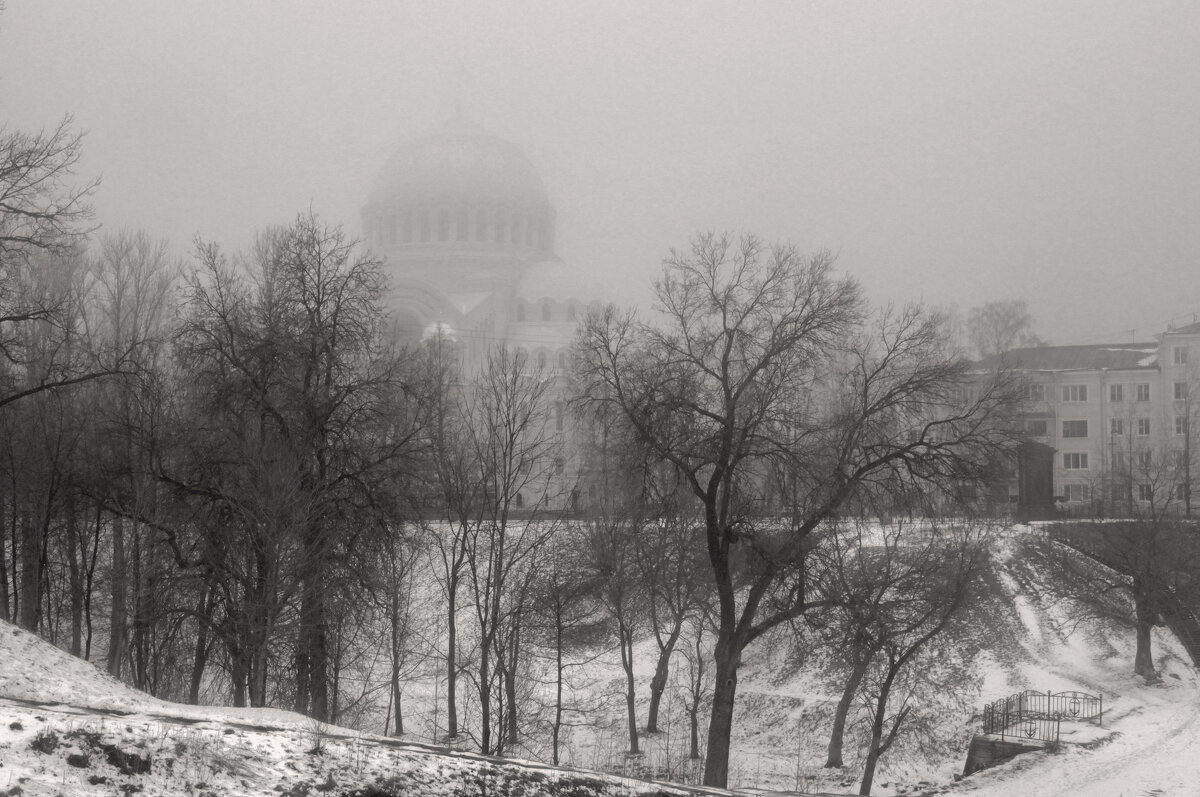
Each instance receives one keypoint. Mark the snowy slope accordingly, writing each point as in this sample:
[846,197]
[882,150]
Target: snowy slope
[95,736]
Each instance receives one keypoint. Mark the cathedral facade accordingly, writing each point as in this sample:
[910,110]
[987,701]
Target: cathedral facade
[466,228]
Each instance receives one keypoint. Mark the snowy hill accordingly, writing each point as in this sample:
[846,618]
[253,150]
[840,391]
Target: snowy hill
[68,728]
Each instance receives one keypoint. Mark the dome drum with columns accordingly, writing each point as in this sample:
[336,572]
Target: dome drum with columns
[467,231]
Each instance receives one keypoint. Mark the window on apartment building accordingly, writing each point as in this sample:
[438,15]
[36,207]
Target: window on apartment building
[1118,461]
[1037,392]
[1143,427]
[1143,392]
[1074,392]
[1074,429]
[1116,426]
[1181,391]
[1145,459]
[1116,393]
[1181,492]
[1179,355]
[559,466]
[1075,461]
[1037,428]
[1181,459]
[1077,492]
[1181,424]
[1145,492]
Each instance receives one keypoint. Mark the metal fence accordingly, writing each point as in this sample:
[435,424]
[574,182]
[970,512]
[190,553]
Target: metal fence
[1039,715]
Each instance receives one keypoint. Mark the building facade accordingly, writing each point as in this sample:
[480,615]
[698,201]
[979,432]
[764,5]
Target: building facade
[468,233]
[1119,418]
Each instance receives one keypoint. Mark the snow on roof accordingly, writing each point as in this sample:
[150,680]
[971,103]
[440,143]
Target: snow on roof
[1112,356]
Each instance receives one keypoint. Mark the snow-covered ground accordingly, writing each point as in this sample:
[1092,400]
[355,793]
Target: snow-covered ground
[68,729]
[1154,745]
[1150,743]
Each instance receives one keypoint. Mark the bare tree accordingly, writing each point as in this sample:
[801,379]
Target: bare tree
[999,326]
[567,618]
[761,363]
[38,209]
[896,588]
[507,517]
[1139,573]
[304,413]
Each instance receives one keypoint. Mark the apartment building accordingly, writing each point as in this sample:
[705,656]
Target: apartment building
[1119,419]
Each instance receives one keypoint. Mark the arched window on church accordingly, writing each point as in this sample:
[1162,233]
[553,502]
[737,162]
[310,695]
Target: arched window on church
[408,227]
[460,225]
[424,225]
[501,226]
[571,311]
[547,314]
[392,228]
[562,361]
[443,225]
[481,225]
[541,361]
[520,311]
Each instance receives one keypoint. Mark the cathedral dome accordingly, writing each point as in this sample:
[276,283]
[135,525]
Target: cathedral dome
[459,190]
[459,162]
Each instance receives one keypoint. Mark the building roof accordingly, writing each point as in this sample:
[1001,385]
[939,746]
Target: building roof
[1092,356]
[459,162]
[1190,329]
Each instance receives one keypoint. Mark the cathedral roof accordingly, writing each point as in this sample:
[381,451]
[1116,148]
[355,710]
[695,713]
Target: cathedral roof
[459,162]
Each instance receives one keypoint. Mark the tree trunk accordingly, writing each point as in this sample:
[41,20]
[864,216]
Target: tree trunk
[119,586]
[1143,660]
[693,712]
[5,612]
[452,662]
[720,723]
[834,758]
[558,683]
[485,701]
[662,670]
[875,749]
[75,573]
[630,705]
[91,581]
[200,658]
[31,574]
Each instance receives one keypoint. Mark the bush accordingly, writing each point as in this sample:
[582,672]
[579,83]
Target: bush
[46,741]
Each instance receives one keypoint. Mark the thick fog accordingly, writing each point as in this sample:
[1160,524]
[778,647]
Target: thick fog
[951,152]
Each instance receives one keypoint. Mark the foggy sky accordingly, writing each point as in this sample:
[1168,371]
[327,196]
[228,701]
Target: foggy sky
[951,152]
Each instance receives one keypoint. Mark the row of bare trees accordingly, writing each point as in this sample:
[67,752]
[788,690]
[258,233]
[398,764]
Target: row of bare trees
[234,472]
[780,403]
